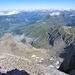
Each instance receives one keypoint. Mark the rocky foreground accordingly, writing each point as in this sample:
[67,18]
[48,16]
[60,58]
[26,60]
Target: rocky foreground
[23,58]
[9,62]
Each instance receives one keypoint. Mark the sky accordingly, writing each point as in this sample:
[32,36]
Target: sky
[36,4]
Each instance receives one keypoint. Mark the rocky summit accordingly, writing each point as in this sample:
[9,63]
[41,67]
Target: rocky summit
[17,58]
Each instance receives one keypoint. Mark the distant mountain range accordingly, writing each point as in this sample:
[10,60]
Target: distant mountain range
[34,24]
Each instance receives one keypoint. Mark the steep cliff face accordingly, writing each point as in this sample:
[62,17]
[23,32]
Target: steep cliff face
[60,33]
[68,65]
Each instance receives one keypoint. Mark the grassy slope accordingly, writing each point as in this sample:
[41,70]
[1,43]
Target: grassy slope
[34,30]
[39,29]
[56,34]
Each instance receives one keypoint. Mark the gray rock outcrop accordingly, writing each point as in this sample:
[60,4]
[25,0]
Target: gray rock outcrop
[68,65]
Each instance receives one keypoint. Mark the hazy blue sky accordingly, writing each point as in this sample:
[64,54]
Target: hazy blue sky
[26,4]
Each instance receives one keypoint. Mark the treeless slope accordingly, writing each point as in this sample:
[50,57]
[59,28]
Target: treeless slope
[55,39]
[14,54]
[8,44]
[9,62]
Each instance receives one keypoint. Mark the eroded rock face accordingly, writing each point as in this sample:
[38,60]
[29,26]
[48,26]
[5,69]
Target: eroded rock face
[14,54]
[68,65]
[60,33]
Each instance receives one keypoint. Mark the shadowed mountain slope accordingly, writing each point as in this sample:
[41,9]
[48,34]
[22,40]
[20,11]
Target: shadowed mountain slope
[56,39]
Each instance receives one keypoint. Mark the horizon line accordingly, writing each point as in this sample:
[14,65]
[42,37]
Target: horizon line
[33,9]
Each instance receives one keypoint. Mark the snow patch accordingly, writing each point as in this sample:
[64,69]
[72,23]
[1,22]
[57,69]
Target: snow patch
[57,64]
[37,59]
[51,58]
[55,13]
[33,56]
[51,66]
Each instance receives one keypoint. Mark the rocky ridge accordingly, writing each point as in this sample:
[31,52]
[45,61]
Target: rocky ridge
[56,39]
[15,54]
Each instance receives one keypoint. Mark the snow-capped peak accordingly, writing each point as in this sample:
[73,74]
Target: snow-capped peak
[55,13]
